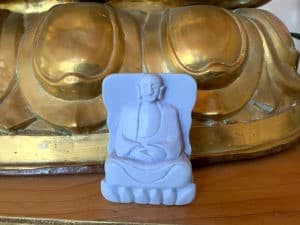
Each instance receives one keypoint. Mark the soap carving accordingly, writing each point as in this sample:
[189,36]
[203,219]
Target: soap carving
[149,119]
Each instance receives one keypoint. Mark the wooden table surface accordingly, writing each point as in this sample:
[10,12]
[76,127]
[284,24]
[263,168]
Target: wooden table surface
[261,191]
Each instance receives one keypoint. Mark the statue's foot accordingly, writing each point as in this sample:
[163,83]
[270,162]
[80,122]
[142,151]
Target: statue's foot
[153,196]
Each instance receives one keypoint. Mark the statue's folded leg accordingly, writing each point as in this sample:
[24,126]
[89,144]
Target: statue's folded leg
[168,183]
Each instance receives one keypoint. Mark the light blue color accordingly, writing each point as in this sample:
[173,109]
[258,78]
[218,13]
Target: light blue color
[149,119]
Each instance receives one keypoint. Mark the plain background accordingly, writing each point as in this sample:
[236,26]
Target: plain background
[289,12]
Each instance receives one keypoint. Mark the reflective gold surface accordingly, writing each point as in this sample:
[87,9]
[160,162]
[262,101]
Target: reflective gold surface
[221,142]
[38,6]
[69,61]
[214,54]
[225,101]
[11,31]
[227,64]
[246,139]
[69,47]
[76,81]
[45,149]
[52,65]
[15,114]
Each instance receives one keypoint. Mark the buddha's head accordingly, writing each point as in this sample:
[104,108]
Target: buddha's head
[151,88]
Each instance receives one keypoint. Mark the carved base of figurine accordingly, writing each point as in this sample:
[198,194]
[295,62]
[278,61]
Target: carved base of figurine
[153,196]
[129,181]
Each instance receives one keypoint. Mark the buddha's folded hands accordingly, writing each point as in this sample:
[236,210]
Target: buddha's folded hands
[147,154]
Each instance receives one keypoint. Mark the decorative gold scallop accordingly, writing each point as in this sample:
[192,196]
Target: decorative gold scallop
[78,114]
[280,53]
[75,46]
[14,113]
[11,30]
[205,41]
[277,31]
[233,97]
[132,61]
[153,56]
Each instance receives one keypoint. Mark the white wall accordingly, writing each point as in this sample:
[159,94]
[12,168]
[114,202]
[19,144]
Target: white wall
[289,12]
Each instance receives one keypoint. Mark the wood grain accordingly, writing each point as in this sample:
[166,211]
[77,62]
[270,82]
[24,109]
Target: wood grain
[261,191]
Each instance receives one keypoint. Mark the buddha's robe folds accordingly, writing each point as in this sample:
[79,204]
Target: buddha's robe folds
[143,161]
[164,144]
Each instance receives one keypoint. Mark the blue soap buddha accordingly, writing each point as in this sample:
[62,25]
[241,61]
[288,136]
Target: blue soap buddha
[149,147]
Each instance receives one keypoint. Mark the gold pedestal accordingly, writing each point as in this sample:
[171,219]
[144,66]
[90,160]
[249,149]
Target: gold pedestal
[33,155]
[54,60]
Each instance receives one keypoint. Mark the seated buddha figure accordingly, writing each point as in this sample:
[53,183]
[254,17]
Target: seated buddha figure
[148,161]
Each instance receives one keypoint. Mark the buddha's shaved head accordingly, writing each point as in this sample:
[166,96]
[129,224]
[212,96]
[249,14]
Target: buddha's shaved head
[151,88]
[152,78]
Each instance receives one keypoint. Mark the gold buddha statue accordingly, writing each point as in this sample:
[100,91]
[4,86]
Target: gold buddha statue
[53,58]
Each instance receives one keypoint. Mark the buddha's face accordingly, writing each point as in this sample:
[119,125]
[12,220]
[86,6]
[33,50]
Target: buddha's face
[150,88]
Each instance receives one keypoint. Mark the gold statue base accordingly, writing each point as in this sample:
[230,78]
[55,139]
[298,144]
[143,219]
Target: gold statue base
[53,60]
[50,155]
